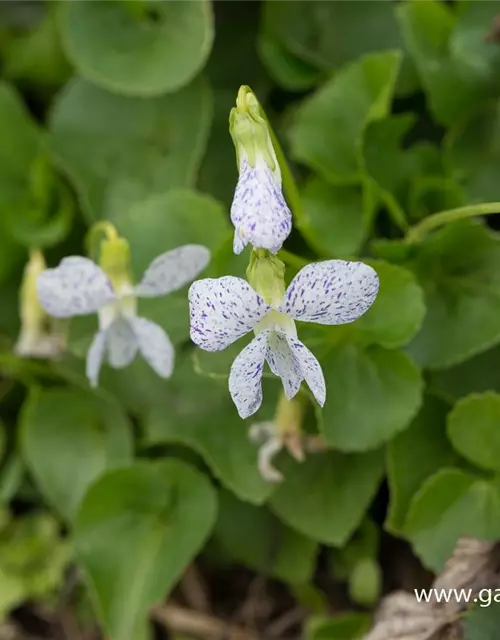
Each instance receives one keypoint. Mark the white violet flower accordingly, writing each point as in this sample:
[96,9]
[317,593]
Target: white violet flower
[78,286]
[222,310]
[259,212]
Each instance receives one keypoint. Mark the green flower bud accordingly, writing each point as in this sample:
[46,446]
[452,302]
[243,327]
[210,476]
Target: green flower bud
[250,132]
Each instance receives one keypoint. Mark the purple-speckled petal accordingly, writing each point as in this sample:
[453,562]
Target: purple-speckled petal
[121,344]
[172,270]
[222,310]
[310,369]
[155,346]
[282,363]
[95,356]
[331,292]
[259,212]
[76,287]
[245,378]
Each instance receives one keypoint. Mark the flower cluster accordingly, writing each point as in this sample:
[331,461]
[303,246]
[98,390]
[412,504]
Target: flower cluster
[222,310]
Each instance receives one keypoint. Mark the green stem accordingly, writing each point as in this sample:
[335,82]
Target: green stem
[420,230]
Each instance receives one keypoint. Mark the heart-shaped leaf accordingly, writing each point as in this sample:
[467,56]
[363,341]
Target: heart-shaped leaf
[136,531]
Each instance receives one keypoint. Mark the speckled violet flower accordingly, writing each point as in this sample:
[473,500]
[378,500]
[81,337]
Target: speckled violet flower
[259,212]
[224,309]
[79,287]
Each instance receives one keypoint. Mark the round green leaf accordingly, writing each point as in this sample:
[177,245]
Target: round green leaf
[328,128]
[398,310]
[373,394]
[326,497]
[68,439]
[459,269]
[474,429]
[450,505]
[414,455]
[138,48]
[256,538]
[136,531]
[117,151]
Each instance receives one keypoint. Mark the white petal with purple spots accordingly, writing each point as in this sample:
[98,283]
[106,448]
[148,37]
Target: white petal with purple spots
[95,357]
[76,287]
[154,345]
[259,212]
[282,363]
[310,369]
[121,344]
[172,270]
[331,292]
[245,378]
[222,310]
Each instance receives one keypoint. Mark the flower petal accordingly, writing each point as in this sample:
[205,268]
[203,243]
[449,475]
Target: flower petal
[95,356]
[76,287]
[259,212]
[245,376]
[310,369]
[155,346]
[331,292]
[172,270]
[121,344]
[222,310]
[282,362]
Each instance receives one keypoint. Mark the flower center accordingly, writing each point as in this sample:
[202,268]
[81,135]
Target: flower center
[124,306]
[276,321]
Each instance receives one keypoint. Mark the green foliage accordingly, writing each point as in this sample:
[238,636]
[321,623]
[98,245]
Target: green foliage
[388,114]
[256,538]
[326,496]
[119,150]
[482,622]
[138,48]
[135,532]
[84,427]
